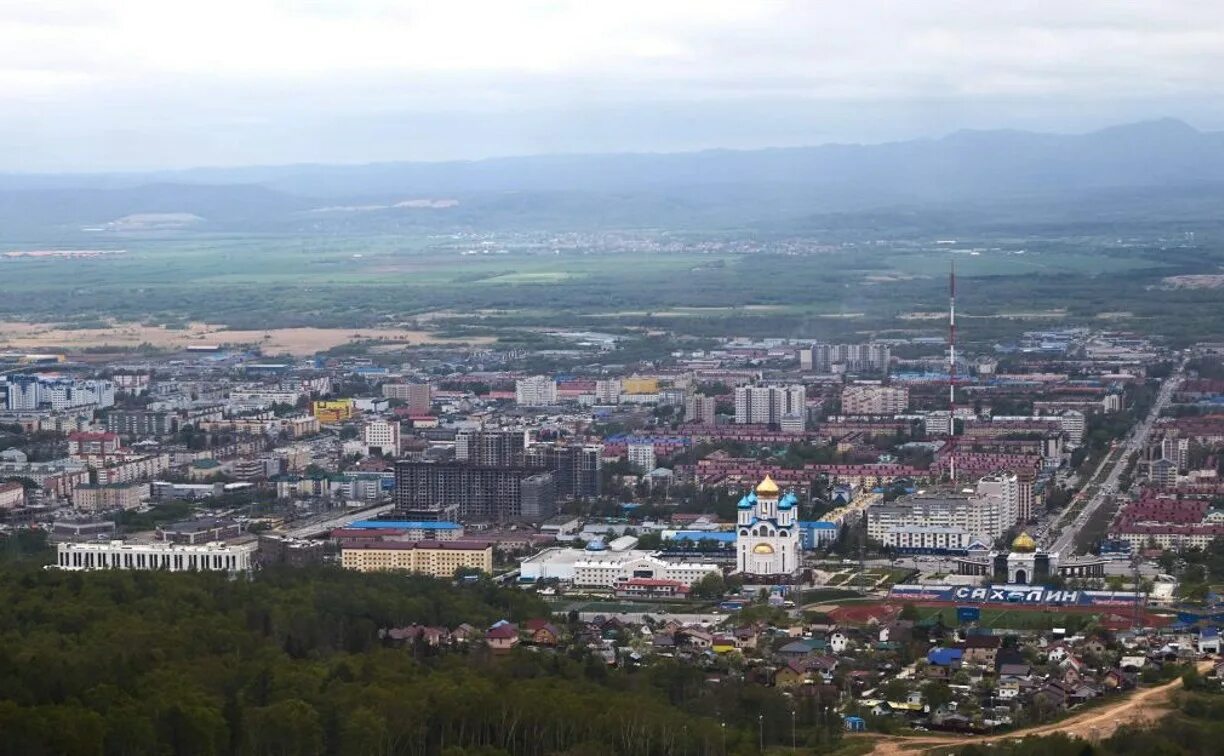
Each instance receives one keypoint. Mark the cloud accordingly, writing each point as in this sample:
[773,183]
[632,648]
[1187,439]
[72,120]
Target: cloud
[223,81]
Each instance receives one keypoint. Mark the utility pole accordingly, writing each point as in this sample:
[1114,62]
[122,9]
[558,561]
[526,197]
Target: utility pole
[1135,619]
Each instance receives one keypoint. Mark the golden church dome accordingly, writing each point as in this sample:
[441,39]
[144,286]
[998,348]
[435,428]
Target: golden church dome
[767,486]
[1024,542]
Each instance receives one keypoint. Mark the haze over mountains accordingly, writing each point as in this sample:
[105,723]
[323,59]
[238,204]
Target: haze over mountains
[1165,162]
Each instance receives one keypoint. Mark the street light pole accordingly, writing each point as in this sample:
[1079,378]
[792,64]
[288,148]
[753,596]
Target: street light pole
[794,747]
[724,738]
[761,731]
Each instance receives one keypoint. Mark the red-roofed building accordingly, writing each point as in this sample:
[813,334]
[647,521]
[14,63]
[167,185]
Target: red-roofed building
[83,444]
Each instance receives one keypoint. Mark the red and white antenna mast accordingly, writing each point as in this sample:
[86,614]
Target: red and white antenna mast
[952,340]
[952,364]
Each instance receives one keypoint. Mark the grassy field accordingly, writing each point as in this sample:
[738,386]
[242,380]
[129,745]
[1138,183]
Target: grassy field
[1007,618]
[715,286]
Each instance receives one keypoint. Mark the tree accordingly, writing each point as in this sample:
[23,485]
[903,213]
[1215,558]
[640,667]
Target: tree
[710,586]
[936,694]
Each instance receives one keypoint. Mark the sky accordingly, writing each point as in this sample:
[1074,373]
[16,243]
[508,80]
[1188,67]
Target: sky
[96,85]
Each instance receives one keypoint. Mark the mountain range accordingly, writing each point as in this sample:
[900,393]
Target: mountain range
[1163,163]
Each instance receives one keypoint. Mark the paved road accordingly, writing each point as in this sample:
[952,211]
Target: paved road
[318,526]
[1113,466]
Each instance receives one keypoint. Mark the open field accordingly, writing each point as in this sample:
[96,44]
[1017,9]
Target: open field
[294,341]
[713,285]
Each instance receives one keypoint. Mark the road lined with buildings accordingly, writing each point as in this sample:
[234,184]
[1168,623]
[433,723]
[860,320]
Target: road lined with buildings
[1116,463]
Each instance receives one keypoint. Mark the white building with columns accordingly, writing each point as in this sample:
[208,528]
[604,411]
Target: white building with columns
[168,557]
[767,540]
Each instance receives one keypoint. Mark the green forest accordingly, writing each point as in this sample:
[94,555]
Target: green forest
[291,662]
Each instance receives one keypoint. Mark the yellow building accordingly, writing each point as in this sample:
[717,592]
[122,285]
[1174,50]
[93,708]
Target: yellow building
[436,558]
[639,385]
[333,411]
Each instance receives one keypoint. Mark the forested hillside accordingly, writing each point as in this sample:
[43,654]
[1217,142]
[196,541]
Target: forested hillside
[292,663]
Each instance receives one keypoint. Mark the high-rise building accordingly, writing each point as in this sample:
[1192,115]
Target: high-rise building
[23,392]
[382,437]
[417,397]
[767,405]
[641,457]
[535,391]
[1176,449]
[608,391]
[853,358]
[491,448]
[577,468]
[428,489]
[28,392]
[700,409]
[859,399]
[1073,424]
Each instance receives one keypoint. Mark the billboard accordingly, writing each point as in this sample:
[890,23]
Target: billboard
[1030,595]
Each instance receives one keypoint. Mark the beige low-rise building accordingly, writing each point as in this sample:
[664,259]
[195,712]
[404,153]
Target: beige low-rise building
[102,498]
[437,558]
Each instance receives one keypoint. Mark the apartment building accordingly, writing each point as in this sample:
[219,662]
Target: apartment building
[103,498]
[535,391]
[641,457]
[870,399]
[701,409]
[607,391]
[417,397]
[947,520]
[432,491]
[767,405]
[491,448]
[382,437]
[853,358]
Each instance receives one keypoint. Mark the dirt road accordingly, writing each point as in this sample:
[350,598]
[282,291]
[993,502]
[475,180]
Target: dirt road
[1146,705]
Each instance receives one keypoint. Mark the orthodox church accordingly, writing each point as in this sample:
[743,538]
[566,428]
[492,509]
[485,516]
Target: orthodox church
[767,532]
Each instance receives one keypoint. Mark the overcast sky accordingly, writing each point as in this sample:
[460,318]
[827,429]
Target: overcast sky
[132,84]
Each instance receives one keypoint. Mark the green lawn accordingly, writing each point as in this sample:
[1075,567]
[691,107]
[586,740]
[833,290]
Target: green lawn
[1007,618]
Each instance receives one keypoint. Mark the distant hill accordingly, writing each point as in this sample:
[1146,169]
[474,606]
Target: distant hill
[1158,159]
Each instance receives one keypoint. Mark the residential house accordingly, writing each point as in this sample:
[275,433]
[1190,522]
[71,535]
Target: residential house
[839,641]
[981,649]
[723,644]
[503,636]
[1118,680]
[1209,641]
[696,638]
[945,657]
[546,635]
[792,675]
[1132,663]
[1052,696]
[464,633]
